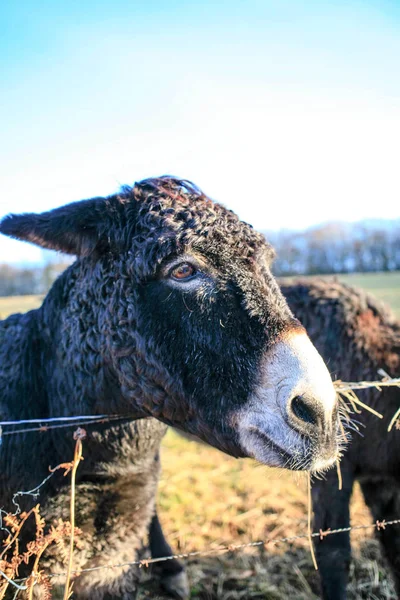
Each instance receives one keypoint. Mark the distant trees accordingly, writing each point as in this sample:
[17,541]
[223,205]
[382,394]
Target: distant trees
[329,248]
[21,281]
[337,248]
[16,281]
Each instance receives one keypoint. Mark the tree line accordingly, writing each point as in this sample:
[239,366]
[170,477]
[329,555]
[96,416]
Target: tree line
[337,248]
[330,248]
[27,280]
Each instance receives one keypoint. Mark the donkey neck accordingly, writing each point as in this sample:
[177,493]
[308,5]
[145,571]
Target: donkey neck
[80,378]
[22,391]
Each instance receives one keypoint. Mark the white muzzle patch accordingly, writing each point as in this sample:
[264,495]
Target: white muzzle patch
[270,430]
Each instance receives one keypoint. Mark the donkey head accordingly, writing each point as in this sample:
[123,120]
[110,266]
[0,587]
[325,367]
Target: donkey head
[189,323]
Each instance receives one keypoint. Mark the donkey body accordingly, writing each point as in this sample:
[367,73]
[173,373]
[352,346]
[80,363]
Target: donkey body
[356,336]
[170,311]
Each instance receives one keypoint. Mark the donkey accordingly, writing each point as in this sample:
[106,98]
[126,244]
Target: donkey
[357,336]
[169,311]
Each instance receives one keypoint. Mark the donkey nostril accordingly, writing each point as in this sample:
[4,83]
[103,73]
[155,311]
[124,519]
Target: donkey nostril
[303,411]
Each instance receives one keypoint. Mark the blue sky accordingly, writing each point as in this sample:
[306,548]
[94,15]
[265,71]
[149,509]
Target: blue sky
[286,111]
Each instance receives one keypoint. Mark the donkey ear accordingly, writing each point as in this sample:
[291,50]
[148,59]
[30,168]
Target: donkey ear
[79,228]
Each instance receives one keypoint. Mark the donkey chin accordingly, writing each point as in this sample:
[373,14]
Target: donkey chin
[291,419]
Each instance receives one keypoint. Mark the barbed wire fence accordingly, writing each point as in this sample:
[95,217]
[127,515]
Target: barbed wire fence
[343,389]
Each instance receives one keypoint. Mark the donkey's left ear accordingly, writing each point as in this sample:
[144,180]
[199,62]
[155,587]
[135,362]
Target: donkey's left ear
[80,228]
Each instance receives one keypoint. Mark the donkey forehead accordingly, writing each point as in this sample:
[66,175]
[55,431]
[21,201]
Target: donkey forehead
[195,223]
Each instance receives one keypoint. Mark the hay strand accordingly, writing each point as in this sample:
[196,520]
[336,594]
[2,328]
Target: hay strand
[309,529]
[339,474]
[394,419]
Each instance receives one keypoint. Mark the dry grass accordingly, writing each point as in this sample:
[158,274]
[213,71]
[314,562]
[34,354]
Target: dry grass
[10,304]
[207,499]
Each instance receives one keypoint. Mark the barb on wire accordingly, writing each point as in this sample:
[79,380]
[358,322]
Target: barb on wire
[92,419]
[146,562]
[235,547]
[344,389]
[378,525]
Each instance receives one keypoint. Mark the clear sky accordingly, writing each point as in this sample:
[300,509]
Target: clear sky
[287,111]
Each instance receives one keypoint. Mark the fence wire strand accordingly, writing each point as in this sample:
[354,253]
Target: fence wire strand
[47,424]
[146,562]
[234,547]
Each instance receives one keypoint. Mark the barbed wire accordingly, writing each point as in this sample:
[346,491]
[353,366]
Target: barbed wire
[47,424]
[146,562]
[45,427]
[52,420]
[234,547]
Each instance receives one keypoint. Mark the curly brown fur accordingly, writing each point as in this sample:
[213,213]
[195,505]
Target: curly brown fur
[356,335]
[118,334]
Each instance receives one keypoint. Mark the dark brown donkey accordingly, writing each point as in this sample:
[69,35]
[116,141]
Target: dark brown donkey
[170,311]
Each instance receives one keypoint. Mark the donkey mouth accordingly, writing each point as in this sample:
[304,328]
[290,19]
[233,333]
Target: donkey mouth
[260,445]
[285,448]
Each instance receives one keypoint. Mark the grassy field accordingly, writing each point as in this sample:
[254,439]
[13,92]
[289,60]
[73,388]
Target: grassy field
[385,286]
[207,499]
[10,304]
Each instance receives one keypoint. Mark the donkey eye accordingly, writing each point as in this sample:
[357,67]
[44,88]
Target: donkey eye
[183,272]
